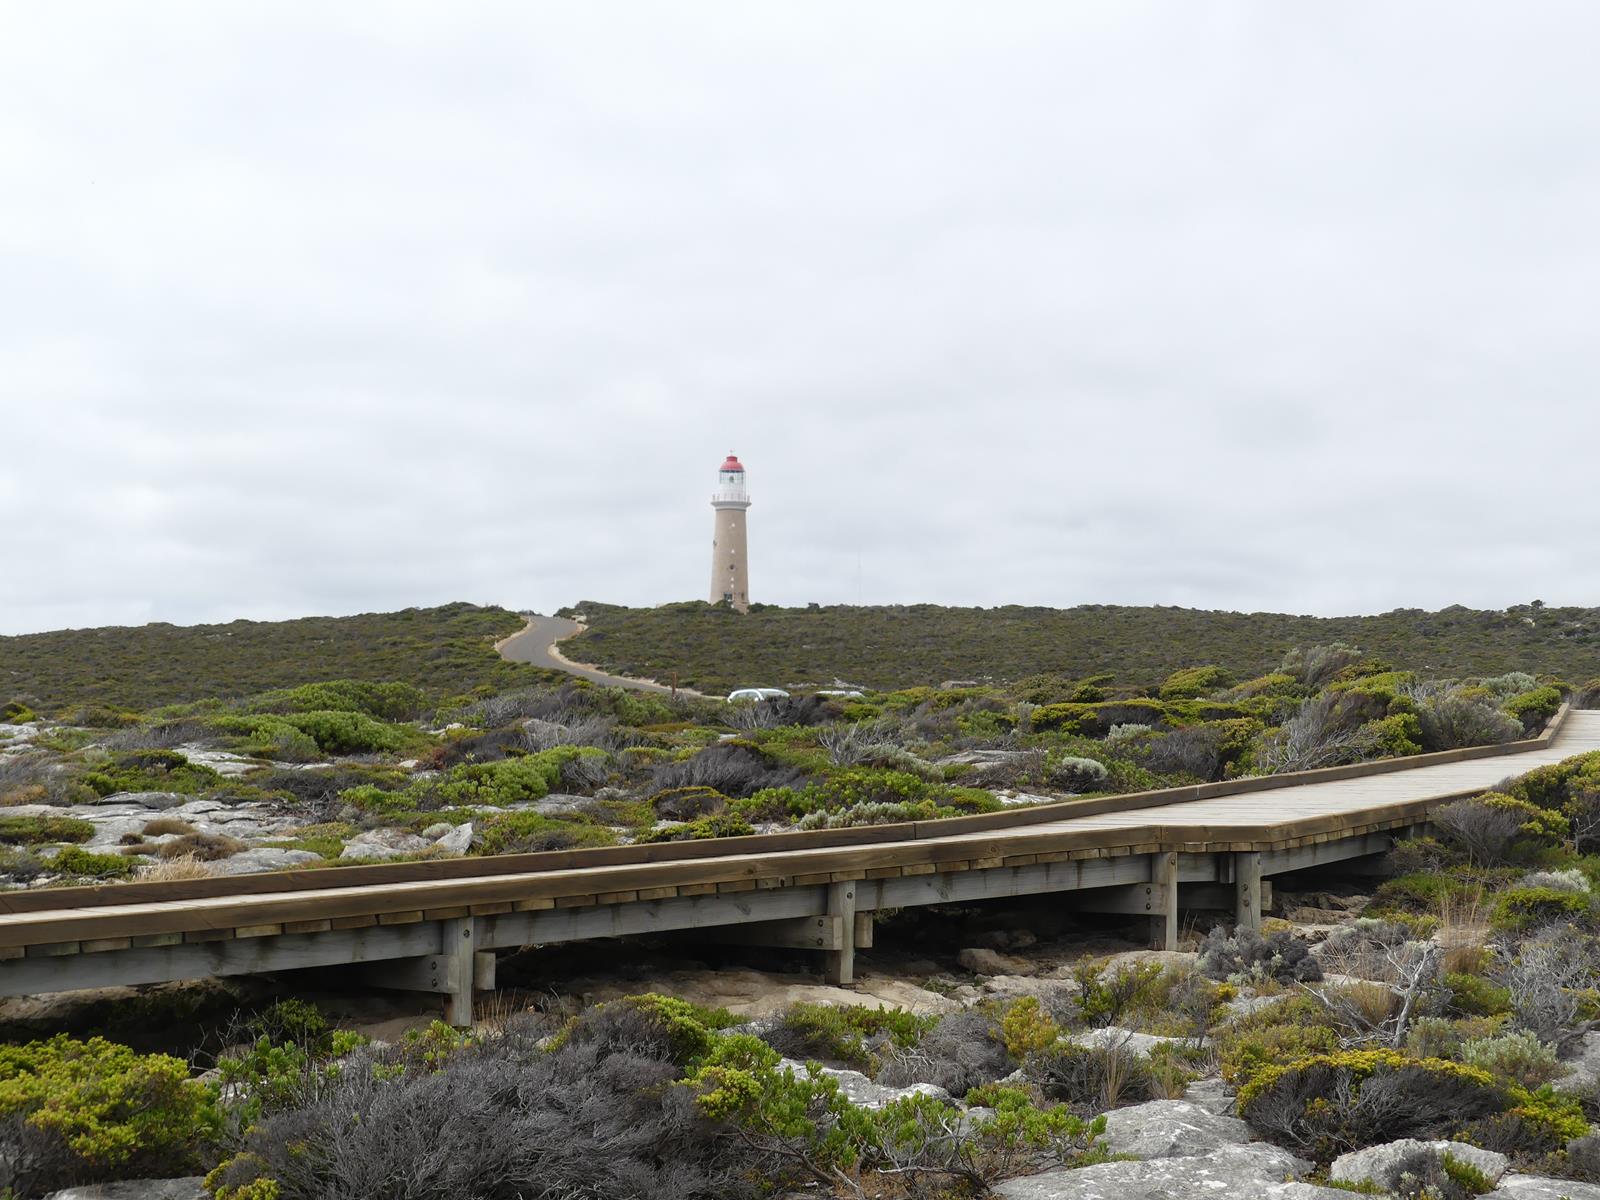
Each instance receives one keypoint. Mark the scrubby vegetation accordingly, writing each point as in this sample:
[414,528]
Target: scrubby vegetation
[355,769]
[715,649]
[445,651]
[646,1097]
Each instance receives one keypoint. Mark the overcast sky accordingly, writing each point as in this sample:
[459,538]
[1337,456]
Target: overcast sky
[329,308]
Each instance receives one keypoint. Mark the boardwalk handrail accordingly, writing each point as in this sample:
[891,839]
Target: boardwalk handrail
[556,864]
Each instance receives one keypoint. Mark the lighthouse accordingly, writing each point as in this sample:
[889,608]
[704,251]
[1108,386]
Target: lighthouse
[730,569]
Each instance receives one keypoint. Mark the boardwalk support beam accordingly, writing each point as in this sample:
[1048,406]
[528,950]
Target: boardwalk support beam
[840,965]
[460,949]
[1164,926]
[1247,889]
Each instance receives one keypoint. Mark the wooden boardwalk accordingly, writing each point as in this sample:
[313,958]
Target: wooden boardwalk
[433,926]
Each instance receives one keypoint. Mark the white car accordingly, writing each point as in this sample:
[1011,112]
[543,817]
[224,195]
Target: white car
[757,694]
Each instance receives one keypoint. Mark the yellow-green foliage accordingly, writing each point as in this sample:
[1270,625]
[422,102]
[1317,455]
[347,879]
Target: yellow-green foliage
[75,860]
[1554,786]
[528,832]
[1475,996]
[1288,1031]
[150,771]
[1397,735]
[242,1177]
[1276,685]
[384,701]
[35,831]
[112,1107]
[1026,1028]
[1522,908]
[1193,682]
[1535,706]
[839,1032]
[511,780]
[1547,825]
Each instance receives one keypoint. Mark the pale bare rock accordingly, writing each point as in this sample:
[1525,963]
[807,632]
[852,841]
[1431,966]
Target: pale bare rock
[1542,1187]
[189,1188]
[1171,1129]
[1257,1171]
[1382,1165]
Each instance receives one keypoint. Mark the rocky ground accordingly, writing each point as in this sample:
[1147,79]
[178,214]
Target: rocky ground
[1180,1148]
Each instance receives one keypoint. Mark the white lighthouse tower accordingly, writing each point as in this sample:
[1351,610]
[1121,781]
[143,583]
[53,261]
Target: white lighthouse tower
[730,569]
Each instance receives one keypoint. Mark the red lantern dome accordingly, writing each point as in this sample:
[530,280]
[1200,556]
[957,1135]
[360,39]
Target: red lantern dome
[731,463]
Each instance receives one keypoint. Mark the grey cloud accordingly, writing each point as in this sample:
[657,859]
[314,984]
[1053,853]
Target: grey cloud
[1239,305]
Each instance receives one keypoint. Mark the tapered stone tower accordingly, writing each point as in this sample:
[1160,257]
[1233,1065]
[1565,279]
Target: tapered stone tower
[730,564]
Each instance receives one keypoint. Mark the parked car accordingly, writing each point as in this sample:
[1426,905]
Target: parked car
[757,693]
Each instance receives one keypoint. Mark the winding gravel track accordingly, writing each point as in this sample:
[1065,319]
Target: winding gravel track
[536,645]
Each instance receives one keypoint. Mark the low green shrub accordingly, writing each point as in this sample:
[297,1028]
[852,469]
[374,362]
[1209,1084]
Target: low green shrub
[38,831]
[75,860]
[293,1052]
[1475,996]
[1287,1031]
[1534,707]
[1520,909]
[370,798]
[719,826]
[383,701]
[338,732]
[1332,1103]
[114,1113]
[526,832]
[150,771]
[510,781]
[1025,1028]
[839,1034]
[15,712]
[1518,1057]
[1193,682]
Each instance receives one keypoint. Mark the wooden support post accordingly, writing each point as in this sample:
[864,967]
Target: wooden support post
[1247,889]
[840,965]
[1164,927]
[459,947]
[864,931]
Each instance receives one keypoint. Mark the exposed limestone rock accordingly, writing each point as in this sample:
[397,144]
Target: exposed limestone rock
[223,762]
[1111,1035]
[189,1188]
[155,800]
[1213,1095]
[1171,1129]
[457,841]
[263,858]
[1257,1171]
[1583,1070]
[1542,1187]
[1380,1165]
[980,960]
[750,993]
[383,843]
